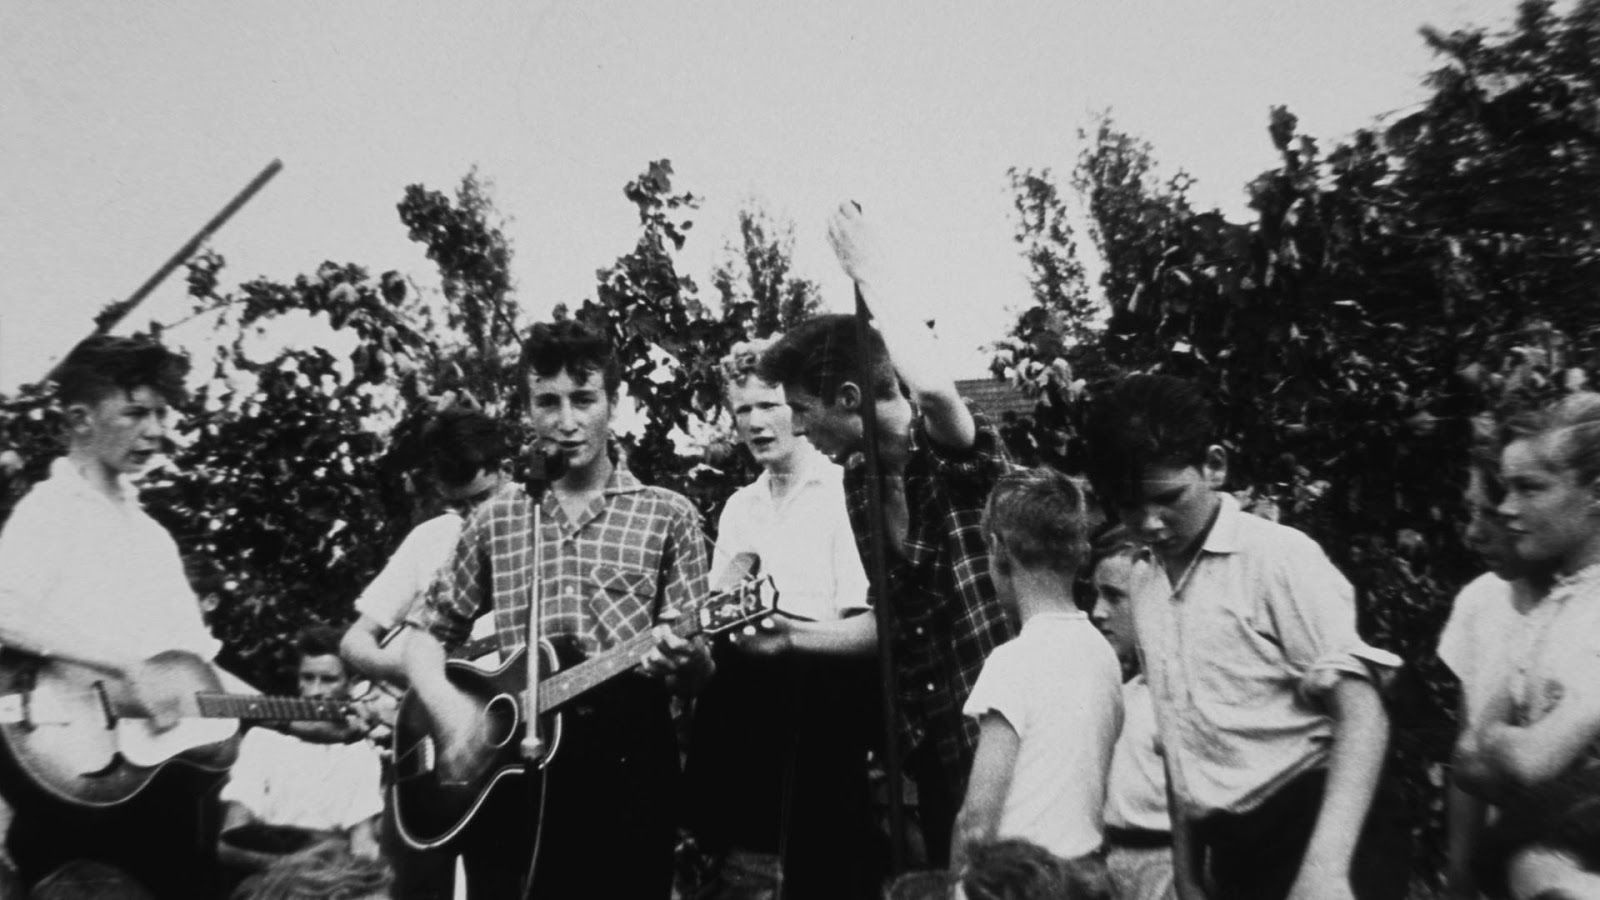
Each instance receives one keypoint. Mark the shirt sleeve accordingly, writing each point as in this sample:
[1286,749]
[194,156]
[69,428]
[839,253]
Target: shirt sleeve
[999,689]
[972,471]
[462,588]
[732,542]
[1314,609]
[1455,648]
[851,589]
[410,570]
[684,557]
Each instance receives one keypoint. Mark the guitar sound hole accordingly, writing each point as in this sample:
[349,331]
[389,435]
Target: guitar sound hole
[500,720]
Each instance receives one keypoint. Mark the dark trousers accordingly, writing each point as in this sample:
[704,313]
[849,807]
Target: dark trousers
[1257,855]
[777,765]
[603,822]
[165,839]
[938,801]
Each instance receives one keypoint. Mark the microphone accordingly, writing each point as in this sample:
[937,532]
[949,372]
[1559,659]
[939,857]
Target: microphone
[538,468]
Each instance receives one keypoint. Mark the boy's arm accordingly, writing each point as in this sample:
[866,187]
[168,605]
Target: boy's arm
[1360,741]
[1521,756]
[913,349]
[1465,820]
[979,818]
[684,665]
[360,648]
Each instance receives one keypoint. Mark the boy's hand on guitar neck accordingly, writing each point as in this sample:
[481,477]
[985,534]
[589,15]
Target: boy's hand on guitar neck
[684,664]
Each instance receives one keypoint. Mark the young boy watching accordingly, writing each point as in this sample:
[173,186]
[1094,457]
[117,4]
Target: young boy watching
[1048,703]
[1266,697]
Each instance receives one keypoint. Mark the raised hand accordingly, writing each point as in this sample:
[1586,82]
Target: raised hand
[856,244]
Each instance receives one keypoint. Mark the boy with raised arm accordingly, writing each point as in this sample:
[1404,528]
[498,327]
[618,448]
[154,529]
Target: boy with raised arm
[1266,698]
[618,558]
[939,462]
[1048,703]
[88,579]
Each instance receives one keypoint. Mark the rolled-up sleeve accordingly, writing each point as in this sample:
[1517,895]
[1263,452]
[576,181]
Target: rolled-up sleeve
[1313,607]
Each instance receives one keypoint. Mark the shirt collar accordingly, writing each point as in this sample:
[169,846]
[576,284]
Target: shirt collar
[72,479]
[810,467]
[1224,536]
[622,480]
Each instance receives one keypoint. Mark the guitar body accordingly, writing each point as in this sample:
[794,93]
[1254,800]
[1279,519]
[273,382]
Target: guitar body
[433,810]
[63,740]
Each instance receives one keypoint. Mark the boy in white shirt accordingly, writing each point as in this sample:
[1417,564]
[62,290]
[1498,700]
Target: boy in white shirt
[1049,702]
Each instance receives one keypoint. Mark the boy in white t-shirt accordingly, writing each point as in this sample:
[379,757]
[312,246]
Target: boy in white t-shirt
[1049,702]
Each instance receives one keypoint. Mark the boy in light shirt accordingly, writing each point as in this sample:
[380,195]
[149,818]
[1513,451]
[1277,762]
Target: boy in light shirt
[1048,703]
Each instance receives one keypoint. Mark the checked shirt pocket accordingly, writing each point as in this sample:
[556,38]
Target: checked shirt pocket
[624,602]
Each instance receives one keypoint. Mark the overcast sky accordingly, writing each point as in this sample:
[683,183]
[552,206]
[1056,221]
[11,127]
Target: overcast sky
[124,126]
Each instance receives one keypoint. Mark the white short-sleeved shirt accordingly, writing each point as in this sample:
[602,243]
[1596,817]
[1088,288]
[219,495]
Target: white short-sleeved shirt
[1557,644]
[1239,655]
[803,540]
[103,565]
[411,569]
[1136,790]
[1477,640]
[1059,686]
[284,780]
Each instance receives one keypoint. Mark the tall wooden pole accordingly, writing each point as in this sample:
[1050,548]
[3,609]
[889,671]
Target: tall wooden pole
[188,249]
[883,609]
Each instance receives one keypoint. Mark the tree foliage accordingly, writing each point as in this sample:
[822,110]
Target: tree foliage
[1381,299]
[757,273]
[670,346]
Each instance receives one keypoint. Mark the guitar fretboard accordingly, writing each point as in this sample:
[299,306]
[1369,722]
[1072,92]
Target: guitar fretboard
[246,706]
[569,683]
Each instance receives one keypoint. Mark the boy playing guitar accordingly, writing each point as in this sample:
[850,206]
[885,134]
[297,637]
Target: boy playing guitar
[617,556]
[87,578]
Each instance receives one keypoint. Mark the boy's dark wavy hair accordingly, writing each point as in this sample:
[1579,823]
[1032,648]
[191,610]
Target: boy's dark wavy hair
[103,364]
[1142,421]
[821,354]
[570,346]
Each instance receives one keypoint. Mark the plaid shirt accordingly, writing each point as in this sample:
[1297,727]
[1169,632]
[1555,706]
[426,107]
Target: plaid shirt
[605,577]
[946,615]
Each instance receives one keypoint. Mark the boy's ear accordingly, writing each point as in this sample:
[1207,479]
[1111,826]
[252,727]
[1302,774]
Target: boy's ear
[77,416]
[849,396]
[1215,468]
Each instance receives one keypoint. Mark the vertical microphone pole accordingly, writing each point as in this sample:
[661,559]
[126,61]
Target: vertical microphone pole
[543,469]
[888,689]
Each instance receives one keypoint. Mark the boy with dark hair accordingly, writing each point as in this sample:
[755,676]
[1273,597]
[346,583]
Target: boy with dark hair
[462,452]
[939,462]
[1048,703]
[619,560]
[1266,699]
[88,581]
[289,792]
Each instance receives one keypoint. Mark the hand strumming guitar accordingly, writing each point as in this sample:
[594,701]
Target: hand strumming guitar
[160,687]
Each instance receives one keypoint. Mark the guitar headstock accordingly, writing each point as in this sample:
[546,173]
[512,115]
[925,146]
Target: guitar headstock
[738,606]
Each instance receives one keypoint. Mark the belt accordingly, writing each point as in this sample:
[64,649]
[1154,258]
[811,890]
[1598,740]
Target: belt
[1137,838]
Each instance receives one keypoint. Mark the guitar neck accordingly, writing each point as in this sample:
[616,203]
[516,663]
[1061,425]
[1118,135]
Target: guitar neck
[563,686]
[249,706]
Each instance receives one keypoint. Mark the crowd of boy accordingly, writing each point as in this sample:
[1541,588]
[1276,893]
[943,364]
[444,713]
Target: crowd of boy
[1214,728]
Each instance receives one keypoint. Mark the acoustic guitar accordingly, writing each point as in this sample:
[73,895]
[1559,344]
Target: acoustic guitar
[433,809]
[70,734]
